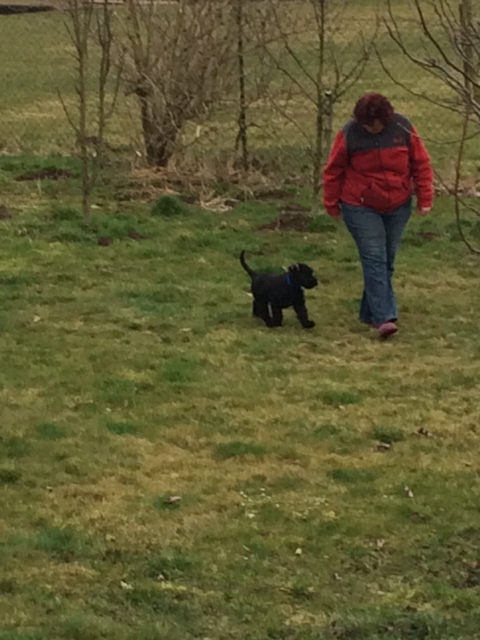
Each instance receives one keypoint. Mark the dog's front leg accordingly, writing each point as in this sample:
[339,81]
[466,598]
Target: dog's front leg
[277,316]
[302,315]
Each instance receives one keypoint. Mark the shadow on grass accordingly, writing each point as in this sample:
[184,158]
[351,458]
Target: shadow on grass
[62,543]
[237,449]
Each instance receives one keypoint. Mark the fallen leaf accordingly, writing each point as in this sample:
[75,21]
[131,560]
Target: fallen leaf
[104,241]
[408,492]
[383,446]
[169,586]
[172,499]
[423,432]
[134,235]
[298,552]
[36,318]
[126,586]
[417,517]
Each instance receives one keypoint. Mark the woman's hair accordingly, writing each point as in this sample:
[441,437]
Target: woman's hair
[371,107]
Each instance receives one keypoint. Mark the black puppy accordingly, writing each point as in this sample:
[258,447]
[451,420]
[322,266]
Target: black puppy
[272,293]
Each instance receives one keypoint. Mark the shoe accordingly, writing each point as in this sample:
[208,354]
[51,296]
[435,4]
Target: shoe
[387,329]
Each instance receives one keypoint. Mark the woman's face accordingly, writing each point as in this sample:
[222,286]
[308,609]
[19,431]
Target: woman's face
[376,126]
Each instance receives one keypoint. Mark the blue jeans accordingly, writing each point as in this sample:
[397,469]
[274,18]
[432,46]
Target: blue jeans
[378,238]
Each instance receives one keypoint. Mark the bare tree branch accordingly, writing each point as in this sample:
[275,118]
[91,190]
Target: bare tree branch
[312,66]
[86,28]
[458,77]
[424,96]
[178,64]
[458,167]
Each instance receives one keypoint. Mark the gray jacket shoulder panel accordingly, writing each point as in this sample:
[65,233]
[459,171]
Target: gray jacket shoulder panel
[395,134]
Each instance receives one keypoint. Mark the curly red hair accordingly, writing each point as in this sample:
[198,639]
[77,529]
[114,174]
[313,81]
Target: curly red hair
[371,107]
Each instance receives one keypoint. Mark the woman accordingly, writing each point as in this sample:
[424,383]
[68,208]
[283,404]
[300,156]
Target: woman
[376,164]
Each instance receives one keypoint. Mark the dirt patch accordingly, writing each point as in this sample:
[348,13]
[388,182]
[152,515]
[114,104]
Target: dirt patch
[105,241]
[420,238]
[48,173]
[5,214]
[265,250]
[428,235]
[274,194]
[288,221]
[134,235]
[473,576]
[13,9]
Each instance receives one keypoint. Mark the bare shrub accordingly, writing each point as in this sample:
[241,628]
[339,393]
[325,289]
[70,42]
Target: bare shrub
[179,63]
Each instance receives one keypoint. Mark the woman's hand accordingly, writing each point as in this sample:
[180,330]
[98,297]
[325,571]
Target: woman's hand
[422,211]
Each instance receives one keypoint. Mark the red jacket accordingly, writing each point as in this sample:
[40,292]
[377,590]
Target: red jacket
[379,171]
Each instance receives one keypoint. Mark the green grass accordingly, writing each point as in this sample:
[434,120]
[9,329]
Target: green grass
[172,470]
[239,449]
[50,431]
[164,458]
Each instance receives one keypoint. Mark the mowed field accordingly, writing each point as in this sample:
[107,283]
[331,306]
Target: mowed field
[172,470]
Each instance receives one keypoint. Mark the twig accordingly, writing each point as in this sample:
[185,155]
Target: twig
[457,184]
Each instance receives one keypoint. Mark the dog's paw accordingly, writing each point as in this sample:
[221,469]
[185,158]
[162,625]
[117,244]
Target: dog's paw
[309,324]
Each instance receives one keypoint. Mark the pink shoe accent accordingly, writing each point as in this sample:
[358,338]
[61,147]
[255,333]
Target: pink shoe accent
[387,329]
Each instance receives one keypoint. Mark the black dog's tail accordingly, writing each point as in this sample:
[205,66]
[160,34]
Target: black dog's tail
[250,272]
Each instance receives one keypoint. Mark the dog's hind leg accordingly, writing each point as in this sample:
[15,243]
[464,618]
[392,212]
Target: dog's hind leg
[277,316]
[302,315]
[255,311]
[261,308]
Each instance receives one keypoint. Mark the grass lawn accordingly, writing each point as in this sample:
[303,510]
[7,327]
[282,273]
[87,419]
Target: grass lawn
[172,470]
[169,469]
